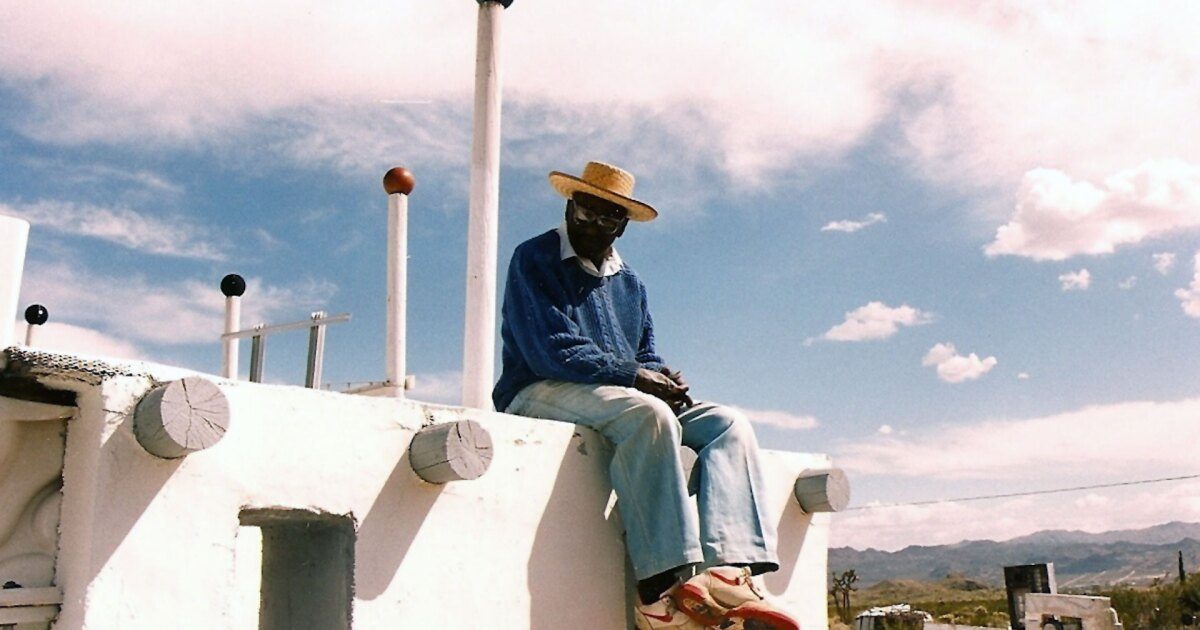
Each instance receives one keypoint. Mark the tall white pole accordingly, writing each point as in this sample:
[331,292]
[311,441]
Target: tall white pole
[479,338]
[398,183]
[233,286]
[14,234]
[233,323]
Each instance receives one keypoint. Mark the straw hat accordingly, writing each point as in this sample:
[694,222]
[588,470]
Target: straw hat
[607,182]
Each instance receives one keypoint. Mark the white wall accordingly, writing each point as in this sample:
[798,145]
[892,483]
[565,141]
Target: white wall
[535,543]
[14,233]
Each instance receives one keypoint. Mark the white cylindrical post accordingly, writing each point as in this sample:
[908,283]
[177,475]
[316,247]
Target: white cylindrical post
[399,183]
[233,323]
[14,234]
[479,338]
[233,286]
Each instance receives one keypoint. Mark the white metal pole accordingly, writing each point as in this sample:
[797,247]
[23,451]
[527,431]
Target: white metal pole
[398,183]
[479,338]
[233,287]
[14,234]
[233,323]
[316,352]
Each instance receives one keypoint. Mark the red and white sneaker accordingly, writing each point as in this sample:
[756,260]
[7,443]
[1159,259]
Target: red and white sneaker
[727,598]
[663,615]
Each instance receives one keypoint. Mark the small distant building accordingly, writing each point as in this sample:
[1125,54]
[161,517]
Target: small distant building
[903,617]
[1070,612]
[1035,604]
[1022,579]
[894,617]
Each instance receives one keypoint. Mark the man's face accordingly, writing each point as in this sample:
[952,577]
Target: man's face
[593,224]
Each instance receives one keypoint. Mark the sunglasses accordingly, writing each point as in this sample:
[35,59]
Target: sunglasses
[610,223]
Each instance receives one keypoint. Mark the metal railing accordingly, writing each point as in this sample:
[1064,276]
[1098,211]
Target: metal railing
[316,344]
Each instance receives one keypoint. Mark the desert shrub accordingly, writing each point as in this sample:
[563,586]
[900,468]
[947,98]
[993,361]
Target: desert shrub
[991,612]
[1162,606]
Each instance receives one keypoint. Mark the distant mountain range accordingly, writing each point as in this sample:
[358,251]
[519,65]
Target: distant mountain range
[1080,559]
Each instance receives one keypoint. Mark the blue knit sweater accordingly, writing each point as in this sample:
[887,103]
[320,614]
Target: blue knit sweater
[561,323]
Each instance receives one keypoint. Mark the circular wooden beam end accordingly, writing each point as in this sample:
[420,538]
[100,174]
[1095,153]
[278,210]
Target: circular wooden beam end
[181,417]
[399,180]
[451,451]
[823,490]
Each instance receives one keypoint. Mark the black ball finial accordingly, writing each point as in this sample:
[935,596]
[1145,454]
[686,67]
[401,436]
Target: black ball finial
[36,315]
[233,285]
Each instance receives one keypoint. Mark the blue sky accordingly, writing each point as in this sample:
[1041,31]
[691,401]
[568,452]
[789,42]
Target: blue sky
[951,246]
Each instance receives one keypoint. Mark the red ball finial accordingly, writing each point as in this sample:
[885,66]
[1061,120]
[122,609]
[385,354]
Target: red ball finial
[399,180]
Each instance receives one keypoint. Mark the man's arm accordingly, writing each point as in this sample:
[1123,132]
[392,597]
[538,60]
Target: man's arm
[673,389]
[535,307]
[647,356]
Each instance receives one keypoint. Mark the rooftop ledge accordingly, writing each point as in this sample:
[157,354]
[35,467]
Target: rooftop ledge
[509,518]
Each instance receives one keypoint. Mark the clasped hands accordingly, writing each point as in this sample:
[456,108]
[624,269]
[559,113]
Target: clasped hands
[666,385]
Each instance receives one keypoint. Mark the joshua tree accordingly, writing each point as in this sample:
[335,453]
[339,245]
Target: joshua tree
[840,590]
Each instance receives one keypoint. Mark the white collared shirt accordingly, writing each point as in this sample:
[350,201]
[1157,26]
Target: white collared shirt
[609,266]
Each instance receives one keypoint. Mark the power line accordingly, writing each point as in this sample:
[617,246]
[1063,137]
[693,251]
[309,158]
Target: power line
[1023,494]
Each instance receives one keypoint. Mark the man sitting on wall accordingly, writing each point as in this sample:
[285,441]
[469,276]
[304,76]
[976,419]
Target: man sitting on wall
[579,347]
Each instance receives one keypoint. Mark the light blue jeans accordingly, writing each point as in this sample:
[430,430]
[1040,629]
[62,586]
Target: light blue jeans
[661,528]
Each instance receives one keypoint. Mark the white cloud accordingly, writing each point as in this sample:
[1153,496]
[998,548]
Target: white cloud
[60,337]
[894,528]
[1164,262]
[1015,87]
[959,80]
[438,387]
[1091,501]
[777,419]
[1057,218]
[349,139]
[1024,376]
[134,308]
[91,175]
[955,368]
[1076,280]
[172,236]
[1117,440]
[1189,298]
[854,226]
[885,429]
[1127,283]
[876,320]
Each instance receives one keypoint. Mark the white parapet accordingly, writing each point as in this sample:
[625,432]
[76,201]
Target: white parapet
[14,233]
[306,476]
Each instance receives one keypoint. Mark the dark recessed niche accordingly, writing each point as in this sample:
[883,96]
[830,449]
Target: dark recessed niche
[307,569]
